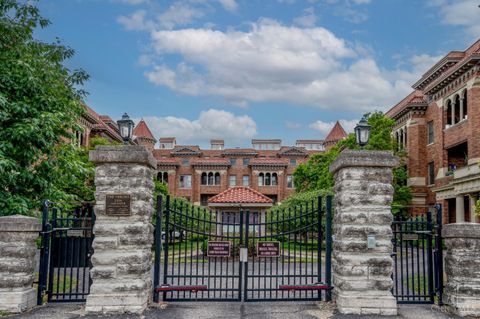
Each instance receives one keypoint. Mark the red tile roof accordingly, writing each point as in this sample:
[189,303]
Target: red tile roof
[416,97]
[336,133]
[142,130]
[240,195]
[210,161]
[168,161]
[269,161]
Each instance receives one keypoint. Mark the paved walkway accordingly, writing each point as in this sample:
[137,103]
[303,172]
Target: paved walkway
[227,310]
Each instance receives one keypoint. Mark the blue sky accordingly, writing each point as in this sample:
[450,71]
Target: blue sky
[242,69]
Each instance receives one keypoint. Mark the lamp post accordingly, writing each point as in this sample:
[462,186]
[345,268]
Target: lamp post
[125,126]
[362,132]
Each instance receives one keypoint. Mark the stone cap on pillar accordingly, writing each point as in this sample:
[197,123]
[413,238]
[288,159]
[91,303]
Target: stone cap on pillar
[19,223]
[461,230]
[133,154]
[364,158]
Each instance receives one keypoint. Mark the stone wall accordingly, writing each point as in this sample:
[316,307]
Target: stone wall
[17,262]
[363,196]
[462,267]
[122,258]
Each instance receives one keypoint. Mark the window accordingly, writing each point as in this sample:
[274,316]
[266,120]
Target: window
[431,173]
[290,181]
[162,177]
[210,179]
[185,162]
[233,161]
[449,113]
[293,162]
[274,179]
[246,161]
[261,179]
[185,181]
[430,132]
[246,180]
[232,180]
[465,106]
[267,179]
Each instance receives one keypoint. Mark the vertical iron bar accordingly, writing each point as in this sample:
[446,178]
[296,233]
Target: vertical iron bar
[167,238]
[247,230]
[439,248]
[430,259]
[158,248]
[319,242]
[240,262]
[328,252]
[44,254]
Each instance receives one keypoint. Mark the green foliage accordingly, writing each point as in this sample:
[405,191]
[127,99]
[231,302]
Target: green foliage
[315,175]
[39,106]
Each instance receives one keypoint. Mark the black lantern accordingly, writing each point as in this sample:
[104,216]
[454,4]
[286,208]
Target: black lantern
[362,132]
[125,126]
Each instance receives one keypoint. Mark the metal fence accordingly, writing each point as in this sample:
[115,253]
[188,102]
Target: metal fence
[204,255]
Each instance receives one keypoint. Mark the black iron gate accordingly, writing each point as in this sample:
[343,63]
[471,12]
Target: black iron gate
[418,257]
[245,255]
[66,247]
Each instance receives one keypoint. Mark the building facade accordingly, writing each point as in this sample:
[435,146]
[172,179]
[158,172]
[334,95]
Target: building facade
[199,174]
[439,128]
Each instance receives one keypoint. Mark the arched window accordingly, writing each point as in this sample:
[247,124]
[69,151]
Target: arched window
[456,105]
[261,179]
[274,179]
[401,139]
[165,177]
[217,178]
[210,178]
[449,112]
[267,179]
[204,180]
[465,107]
[405,137]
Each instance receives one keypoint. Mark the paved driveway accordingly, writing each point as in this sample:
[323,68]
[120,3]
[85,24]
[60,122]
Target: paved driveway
[230,310]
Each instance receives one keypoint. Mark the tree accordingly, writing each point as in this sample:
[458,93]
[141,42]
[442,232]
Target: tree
[39,106]
[315,174]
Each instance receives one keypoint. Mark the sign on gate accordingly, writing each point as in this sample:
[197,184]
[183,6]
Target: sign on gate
[268,249]
[118,205]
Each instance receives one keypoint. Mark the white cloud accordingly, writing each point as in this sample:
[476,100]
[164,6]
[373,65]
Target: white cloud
[307,19]
[292,125]
[136,21]
[179,13]
[210,124]
[272,62]
[229,5]
[325,127]
[463,13]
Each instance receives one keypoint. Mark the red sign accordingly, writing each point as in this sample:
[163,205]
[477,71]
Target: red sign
[218,248]
[268,249]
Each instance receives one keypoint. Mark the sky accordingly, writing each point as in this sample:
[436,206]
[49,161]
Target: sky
[243,69]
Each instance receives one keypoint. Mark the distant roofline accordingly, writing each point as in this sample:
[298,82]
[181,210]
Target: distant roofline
[258,141]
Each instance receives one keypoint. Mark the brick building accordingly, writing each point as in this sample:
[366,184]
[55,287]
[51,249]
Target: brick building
[199,174]
[439,127]
[95,125]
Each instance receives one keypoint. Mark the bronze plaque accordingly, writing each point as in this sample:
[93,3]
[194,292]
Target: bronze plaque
[218,248]
[268,249]
[118,205]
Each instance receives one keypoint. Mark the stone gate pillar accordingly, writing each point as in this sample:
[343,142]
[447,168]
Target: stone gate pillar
[462,267]
[17,262]
[362,262]
[122,258]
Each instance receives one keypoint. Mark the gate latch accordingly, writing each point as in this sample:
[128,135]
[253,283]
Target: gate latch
[243,254]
